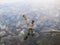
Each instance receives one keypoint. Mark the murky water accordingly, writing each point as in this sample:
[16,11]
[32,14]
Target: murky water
[13,27]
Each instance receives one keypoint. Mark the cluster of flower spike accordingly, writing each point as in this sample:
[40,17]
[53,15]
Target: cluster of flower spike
[30,27]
